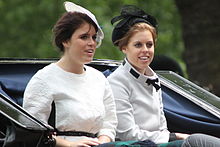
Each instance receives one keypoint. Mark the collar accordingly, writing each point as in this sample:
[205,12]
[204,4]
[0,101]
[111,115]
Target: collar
[143,79]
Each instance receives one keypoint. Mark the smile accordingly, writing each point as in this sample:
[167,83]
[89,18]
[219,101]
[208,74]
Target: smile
[90,51]
[144,58]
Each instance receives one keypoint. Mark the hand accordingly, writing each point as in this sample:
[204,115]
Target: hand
[181,136]
[79,143]
[104,139]
[85,143]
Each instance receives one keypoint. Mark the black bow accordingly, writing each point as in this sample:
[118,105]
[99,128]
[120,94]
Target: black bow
[154,83]
[130,13]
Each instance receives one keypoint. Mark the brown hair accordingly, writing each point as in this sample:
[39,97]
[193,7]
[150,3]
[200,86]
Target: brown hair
[68,23]
[134,29]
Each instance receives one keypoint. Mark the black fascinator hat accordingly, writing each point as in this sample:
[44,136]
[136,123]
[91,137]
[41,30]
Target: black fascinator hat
[130,15]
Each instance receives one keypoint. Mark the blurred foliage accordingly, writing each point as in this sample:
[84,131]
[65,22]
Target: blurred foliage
[25,28]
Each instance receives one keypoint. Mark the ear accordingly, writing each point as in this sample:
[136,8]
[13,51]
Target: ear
[124,49]
[66,44]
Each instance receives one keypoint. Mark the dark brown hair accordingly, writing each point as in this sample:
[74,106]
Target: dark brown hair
[68,23]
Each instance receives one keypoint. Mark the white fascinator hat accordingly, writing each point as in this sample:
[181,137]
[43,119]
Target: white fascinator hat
[71,7]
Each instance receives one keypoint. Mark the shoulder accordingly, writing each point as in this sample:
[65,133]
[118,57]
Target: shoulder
[46,71]
[94,72]
[120,82]
[118,74]
[120,78]
[42,75]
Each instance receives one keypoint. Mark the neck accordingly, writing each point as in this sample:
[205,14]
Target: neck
[71,66]
[145,71]
[148,72]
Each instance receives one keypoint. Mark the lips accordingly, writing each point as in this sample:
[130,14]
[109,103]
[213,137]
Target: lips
[90,51]
[144,58]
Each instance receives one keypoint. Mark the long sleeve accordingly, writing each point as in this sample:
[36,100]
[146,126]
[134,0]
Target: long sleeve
[110,120]
[162,115]
[37,99]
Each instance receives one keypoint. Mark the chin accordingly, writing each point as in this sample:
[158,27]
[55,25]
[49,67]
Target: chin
[145,64]
[88,60]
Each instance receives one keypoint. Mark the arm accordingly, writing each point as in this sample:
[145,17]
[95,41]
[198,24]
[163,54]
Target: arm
[162,115]
[79,143]
[107,133]
[172,136]
[37,99]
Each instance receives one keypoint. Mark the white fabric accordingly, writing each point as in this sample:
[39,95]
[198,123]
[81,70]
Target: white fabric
[84,102]
[139,107]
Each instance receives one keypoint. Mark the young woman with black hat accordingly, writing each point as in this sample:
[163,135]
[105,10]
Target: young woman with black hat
[136,87]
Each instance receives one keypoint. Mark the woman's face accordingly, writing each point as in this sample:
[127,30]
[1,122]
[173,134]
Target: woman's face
[140,50]
[82,45]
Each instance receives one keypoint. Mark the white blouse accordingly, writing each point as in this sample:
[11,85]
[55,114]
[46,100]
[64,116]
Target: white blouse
[84,102]
[138,105]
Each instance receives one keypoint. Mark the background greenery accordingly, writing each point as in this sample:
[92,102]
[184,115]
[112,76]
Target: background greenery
[25,28]
[189,32]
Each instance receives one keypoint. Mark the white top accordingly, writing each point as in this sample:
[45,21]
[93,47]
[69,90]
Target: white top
[139,106]
[84,102]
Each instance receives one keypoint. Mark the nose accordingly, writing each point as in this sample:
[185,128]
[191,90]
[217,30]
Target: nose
[145,48]
[91,42]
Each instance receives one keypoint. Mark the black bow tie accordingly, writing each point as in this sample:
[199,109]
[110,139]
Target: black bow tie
[154,82]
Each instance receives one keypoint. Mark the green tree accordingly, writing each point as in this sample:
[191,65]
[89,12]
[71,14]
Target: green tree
[201,34]
[26,26]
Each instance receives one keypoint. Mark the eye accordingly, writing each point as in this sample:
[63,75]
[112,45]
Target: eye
[138,45]
[149,44]
[84,36]
[94,37]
